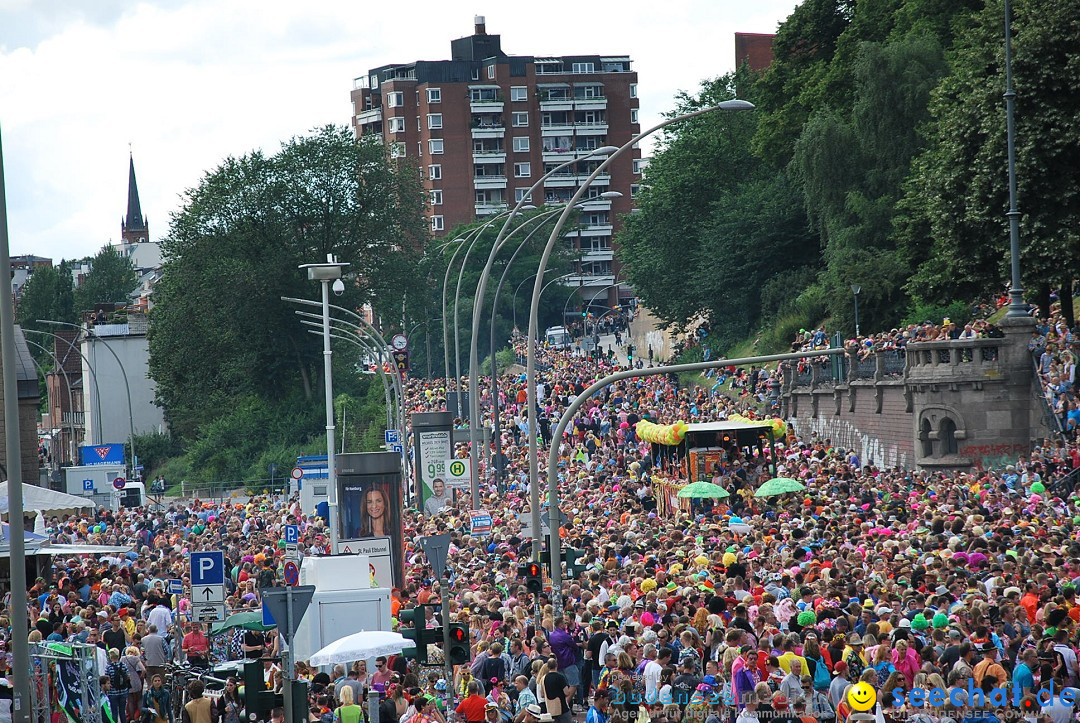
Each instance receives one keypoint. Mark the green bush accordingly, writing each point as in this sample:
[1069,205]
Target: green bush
[957,311]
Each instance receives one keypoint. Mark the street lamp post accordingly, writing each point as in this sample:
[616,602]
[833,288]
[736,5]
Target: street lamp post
[326,273]
[123,372]
[20,626]
[855,289]
[89,367]
[534,312]
[70,396]
[1017,307]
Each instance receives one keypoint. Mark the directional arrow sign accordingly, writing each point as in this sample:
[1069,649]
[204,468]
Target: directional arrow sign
[436,548]
[545,518]
[210,594]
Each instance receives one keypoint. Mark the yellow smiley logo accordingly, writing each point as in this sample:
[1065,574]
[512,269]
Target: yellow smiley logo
[861,697]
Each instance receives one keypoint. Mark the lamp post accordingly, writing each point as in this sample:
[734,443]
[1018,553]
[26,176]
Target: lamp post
[478,305]
[517,289]
[325,273]
[20,626]
[70,396]
[534,312]
[855,289]
[1017,307]
[123,372]
[89,366]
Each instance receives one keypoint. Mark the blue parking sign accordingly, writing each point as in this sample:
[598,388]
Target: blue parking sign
[292,534]
[392,436]
[88,485]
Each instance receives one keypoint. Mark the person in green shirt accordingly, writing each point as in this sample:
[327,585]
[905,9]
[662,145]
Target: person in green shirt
[348,711]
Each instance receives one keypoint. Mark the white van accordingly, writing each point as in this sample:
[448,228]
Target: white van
[558,337]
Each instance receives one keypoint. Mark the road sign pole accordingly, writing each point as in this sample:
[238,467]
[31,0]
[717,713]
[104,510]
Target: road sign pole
[448,667]
[286,659]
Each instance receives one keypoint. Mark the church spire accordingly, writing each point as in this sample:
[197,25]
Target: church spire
[134,226]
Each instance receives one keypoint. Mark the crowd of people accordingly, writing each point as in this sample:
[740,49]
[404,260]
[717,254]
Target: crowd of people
[737,609]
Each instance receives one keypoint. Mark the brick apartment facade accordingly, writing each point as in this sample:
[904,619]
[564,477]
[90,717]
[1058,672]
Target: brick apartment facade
[484,126]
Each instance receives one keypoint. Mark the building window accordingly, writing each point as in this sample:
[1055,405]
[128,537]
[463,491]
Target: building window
[491,72]
[633,90]
[395,100]
[476,74]
[639,165]
[436,197]
[521,120]
[397,150]
[374,82]
[435,146]
[437,223]
[434,120]
[521,144]
[635,189]
[435,172]
[520,194]
[948,437]
[522,170]
[395,124]
[434,95]
[583,68]
[519,93]
[633,115]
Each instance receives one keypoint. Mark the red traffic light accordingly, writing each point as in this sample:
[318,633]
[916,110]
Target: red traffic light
[534,569]
[457,634]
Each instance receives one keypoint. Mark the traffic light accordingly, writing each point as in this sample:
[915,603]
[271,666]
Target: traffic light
[630,353]
[418,633]
[534,577]
[459,644]
[584,313]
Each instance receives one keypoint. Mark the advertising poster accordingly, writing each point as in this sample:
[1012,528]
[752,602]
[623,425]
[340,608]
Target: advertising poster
[434,447]
[370,511]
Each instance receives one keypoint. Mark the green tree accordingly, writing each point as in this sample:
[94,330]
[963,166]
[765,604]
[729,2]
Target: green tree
[220,331]
[49,293]
[954,225]
[112,277]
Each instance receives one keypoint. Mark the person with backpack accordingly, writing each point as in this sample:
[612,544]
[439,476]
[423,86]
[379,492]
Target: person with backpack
[119,686]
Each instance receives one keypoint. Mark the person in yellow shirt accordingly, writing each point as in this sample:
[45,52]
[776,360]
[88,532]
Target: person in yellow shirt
[788,647]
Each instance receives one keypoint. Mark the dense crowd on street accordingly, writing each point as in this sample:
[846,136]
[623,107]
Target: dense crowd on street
[904,580]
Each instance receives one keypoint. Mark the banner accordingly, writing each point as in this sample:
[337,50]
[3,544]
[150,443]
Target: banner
[434,447]
[102,454]
[370,511]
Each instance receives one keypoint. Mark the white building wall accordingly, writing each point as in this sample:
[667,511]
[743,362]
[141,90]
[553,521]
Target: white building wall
[133,351]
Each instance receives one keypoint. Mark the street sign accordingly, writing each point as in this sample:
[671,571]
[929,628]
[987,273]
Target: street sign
[88,485]
[207,568]
[458,472]
[292,574]
[176,587]
[207,594]
[292,534]
[276,602]
[397,448]
[392,436]
[436,547]
[401,360]
[208,613]
[119,483]
[296,473]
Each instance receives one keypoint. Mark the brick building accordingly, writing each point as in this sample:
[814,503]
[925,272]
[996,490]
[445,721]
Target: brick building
[756,49]
[483,126]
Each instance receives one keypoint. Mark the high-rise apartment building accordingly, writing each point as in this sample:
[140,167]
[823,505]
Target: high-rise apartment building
[483,126]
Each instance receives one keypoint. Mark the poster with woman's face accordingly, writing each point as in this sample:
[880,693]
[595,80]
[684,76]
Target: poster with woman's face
[370,513]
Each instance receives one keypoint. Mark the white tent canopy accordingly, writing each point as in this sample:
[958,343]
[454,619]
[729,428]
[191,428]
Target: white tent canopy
[361,646]
[45,501]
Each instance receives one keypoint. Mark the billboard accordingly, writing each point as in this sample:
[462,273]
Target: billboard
[369,506]
[102,454]
[433,437]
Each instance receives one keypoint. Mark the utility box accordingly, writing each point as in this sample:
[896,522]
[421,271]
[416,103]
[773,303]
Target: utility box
[343,603]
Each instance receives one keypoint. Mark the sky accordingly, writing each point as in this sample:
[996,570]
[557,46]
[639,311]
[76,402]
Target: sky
[187,83]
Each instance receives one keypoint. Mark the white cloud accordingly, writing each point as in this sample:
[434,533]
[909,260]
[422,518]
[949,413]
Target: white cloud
[189,82]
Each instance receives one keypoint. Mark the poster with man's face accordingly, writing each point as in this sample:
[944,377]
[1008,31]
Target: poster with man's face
[370,513]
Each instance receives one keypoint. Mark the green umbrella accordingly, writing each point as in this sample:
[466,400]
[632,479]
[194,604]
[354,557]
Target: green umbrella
[702,489]
[248,620]
[778,486]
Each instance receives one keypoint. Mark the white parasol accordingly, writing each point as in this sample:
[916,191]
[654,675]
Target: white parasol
[361,646]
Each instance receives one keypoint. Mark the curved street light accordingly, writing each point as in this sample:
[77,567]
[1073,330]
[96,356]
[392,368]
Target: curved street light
[534,309]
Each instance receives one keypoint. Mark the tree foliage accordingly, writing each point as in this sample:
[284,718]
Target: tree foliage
[112,277]
[220,332]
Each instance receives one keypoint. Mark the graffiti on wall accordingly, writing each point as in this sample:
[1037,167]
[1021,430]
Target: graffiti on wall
[993,456]
[870,450]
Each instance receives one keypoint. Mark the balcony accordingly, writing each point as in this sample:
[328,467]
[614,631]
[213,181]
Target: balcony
[556,104]
[589,129]
[488,131]
[489,156]
[486,106]
[588,280]
[486,209]
[492,181]
[598,255]
[557,129]
[373,115]
[596,229]
[590,103]
[596,204]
